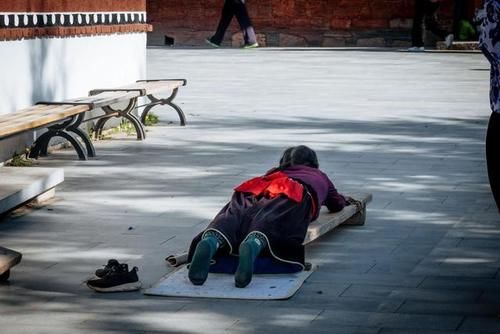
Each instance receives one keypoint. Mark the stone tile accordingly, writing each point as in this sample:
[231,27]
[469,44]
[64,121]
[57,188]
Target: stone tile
[389,320]
[441,295]
[418,331]
[462,308]
[461,283]
[480,324]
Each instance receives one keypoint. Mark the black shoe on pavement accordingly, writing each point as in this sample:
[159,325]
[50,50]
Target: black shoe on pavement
[107,268]
[117,280]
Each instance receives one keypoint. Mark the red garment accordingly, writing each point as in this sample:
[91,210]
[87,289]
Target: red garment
[273,185]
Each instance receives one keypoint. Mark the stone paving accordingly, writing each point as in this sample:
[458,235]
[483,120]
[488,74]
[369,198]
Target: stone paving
[408,128]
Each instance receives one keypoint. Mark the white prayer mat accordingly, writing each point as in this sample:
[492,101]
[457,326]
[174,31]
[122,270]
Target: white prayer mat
[264,287]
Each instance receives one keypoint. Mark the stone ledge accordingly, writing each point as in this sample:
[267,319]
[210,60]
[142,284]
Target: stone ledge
[20,185]
[467,45]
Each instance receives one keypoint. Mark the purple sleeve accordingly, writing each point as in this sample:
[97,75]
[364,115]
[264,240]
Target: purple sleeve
[334,200]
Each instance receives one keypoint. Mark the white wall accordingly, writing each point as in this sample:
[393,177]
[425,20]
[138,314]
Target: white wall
[60,68]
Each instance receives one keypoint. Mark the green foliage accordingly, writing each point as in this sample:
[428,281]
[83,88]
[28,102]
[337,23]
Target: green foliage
[466,31]
[151,119]
[127,127]
[20,160]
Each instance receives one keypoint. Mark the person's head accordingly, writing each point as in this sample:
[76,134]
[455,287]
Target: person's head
[299,155]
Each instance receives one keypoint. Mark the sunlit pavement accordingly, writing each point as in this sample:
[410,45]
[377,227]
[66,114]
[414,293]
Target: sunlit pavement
[408,128]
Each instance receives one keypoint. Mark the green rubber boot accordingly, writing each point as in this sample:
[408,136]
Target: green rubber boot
[248,252]
[205,250]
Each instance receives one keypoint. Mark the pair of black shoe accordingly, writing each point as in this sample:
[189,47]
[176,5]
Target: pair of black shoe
[115,277]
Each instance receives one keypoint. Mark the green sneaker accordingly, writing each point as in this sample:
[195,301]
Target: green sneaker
[250,46]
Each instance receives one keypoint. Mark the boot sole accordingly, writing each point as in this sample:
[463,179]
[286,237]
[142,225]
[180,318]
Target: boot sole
[201,263]
[245,266]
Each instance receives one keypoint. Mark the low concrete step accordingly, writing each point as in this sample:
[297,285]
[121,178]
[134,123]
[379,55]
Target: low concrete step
[19,185]
[463,46]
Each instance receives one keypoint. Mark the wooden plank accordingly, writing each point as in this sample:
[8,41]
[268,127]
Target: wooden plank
[324,224]
[107,98]
[8,118]
[328,221]
[35,114]
[8,259]
[154,87]
[38,121]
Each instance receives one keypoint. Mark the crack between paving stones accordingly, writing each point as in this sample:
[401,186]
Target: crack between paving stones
[162,243]
[317,316]
[340,295]
[460,323]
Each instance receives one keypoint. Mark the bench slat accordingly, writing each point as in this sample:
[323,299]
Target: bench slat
[35,114]
[155,87]
[36,121]
[8,118]
[107,98]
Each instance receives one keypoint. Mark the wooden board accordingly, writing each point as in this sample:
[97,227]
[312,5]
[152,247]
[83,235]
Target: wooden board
[36,117]
[8,259]
[328,221]
[107,98]
[324,224]
[155,87]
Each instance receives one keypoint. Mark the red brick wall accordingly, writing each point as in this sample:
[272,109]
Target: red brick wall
[308,22]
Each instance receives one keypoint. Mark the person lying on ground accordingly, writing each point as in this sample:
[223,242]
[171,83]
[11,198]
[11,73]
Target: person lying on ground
[262,228]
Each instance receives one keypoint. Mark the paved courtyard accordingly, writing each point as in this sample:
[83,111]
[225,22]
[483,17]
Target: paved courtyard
[408,128]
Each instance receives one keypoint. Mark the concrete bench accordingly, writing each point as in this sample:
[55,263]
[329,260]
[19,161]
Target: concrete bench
[62,119]
[8,259]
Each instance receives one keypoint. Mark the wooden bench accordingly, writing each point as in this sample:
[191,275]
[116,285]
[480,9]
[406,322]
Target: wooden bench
[62,119]
[8,259]
[326,222]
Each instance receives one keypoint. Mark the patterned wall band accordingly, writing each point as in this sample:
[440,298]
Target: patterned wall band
[42,20]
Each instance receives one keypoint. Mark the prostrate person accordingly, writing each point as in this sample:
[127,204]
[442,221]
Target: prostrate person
[266,220]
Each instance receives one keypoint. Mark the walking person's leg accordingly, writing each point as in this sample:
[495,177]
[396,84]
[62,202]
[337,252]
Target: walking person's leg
[459,14]
[493,155]
[417,31]
[431,20]
[241,13]
[490,45]
[225,19]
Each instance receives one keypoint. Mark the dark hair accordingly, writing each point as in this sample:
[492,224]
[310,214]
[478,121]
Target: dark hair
[299,155]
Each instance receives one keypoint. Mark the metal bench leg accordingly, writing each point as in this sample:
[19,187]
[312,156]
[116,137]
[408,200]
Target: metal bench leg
[99,126]
[39,145]
[86,140]
[139,129]
[83,135]
[127,114]
[168,101]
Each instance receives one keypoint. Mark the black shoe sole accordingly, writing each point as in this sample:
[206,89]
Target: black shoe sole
[133,286]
